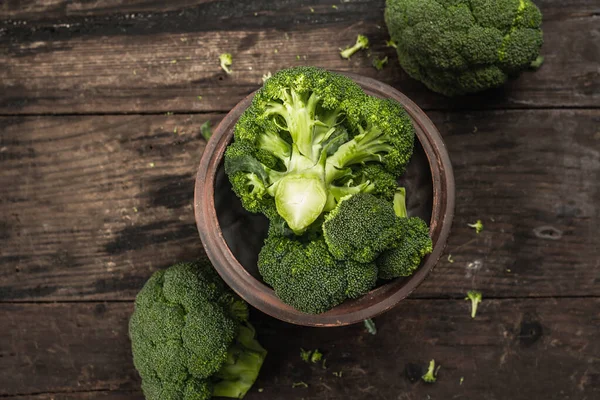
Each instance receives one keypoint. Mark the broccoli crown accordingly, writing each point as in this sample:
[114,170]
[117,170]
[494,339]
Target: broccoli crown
[307,277]
[303,139]
[361,227]
[406,253]
[464,46]
[190,335]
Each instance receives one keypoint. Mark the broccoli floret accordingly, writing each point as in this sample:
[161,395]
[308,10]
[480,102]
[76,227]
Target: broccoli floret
[405,256]
[191,337]
[475,298]
[478,226]
[307,277]
[464,46]
[226,60]
[362,42]
[303,139]
[379,63]
[430,377]
[360,228]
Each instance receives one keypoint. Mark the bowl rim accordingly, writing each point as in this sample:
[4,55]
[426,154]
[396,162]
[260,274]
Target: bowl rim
[377,301]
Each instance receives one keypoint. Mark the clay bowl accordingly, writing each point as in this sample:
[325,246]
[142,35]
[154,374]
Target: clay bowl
[233,237]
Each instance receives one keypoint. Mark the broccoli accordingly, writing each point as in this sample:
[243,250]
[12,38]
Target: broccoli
[360,228]
[205,131]
[307,277]
[379,63]
[370,325]
[191,338]
[361,43]
[475,298]
[310,138]
[226,60]
[478,226]
[464,46]
[430,376]
[404,257]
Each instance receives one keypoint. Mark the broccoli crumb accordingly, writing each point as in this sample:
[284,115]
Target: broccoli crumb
[478,226]
[151,165]
[475,298]
[312,10]
[391,43]
[313,356]
[361,43]
[462,378]
[380,63]
[371,327]
[205,130]
[430,376]
[338,374]
[199,97]
[334,7]
[226,60]
[450,260]
[299,384]
[260,390]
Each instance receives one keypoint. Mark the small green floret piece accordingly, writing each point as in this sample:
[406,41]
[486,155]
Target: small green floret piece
[226,61]
[191,338]
[371,327]
[478,226]
[457,47]
[361,43]
[379,63]
[430,377]
[476,298]
[206,131]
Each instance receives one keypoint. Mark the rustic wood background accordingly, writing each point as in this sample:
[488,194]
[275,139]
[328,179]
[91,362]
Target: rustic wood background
[100,108]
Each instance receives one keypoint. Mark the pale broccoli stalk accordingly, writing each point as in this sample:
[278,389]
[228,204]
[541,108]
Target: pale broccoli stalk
[371,327]
[475,298]
[226,60]
[430,376]
[478,226]
[391,43]
[400,202]
[361,43]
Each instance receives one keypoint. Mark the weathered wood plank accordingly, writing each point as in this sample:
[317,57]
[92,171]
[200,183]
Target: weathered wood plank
[90,206]
[104,395]
[101,58]
[512,350]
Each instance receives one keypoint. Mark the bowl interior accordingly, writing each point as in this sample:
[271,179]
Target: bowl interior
[245,232]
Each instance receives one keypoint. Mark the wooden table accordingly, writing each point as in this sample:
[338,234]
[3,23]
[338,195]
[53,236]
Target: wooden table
[101,105]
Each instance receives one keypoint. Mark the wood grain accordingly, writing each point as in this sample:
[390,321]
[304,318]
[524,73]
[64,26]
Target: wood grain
[84,346]
[91,206]
[149,57]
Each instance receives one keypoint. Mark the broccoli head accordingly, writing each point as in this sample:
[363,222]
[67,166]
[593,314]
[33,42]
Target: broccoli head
[464,46]
[191,338]
[307,277]
[360,228]
[405,255]
[302,144]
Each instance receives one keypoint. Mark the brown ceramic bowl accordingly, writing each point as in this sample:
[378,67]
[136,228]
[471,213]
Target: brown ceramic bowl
[233,237]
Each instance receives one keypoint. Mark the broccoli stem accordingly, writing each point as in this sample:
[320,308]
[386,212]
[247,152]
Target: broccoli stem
[244,360]
[400,202]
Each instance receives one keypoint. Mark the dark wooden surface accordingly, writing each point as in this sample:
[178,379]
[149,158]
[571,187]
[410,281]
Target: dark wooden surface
[99,143]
